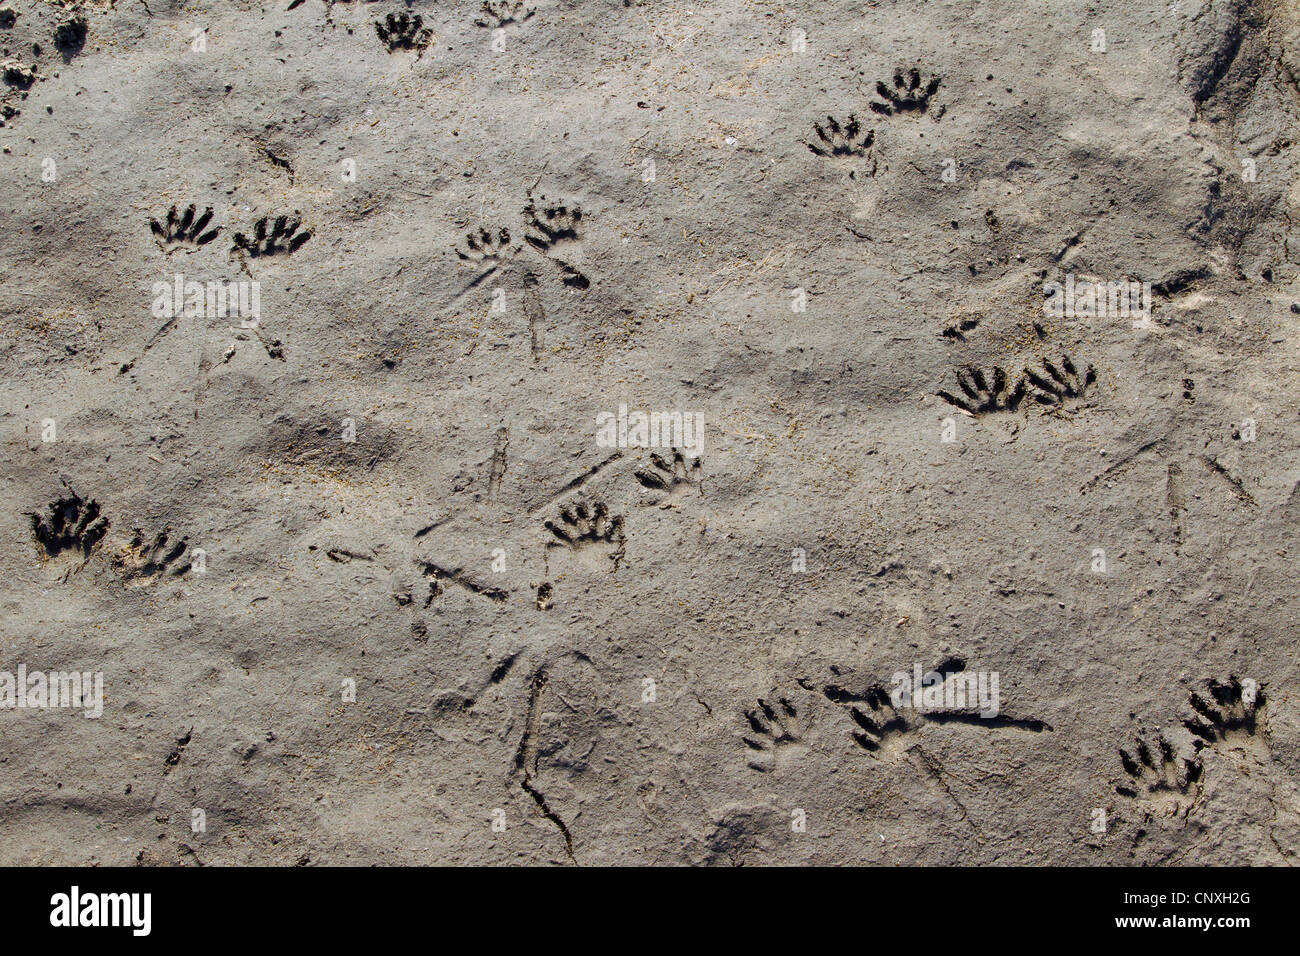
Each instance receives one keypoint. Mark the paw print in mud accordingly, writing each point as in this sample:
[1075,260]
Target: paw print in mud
[163,557]
[1061,383]
[674,475]
[985,392]
[550,228]
[1160,776]
[486,247]
[278,237]
[186,230]
[773,726]
[909,93]
[845,139]
[404,31]
[502,13]
[71,523]
[582,526]
[1222,709]
[877,721]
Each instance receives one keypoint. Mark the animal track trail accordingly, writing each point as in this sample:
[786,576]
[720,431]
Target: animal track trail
[186,231]
[404,31]
[1159,777]
[550,228]
[774,728]
[496,14]
[986,392]
[1060,384]
[144,564]
[70,524]
[582,527]
[278,237]
[847,140]
[676,476]
[909,94]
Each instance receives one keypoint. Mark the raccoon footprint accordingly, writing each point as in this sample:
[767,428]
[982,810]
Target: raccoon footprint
[283,237]
[142,564]
[910,93]
[72,523]
[674,477]
[485,247]
[502,13]
[849,139]
[404,31]
[1160,776]
[1224,710]
[986,393]
[552,225]
[186,230]
[773,727]
[877,721]
[581,527]
[1059,384]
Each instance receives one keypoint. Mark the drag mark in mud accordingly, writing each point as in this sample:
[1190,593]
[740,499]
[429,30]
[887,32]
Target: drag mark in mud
[526,758]
[437,575]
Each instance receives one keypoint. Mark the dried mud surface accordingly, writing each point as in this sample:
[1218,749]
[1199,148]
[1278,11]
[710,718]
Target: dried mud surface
[825,229]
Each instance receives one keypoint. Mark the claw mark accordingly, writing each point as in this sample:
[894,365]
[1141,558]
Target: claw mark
[526,759]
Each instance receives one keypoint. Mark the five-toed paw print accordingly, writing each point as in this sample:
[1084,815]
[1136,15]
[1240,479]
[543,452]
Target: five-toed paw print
[1160,776]
[550,226]
[986,392]
[142,563]
[1059,383]
[582,525]
[71,523]
[486,247]
[771,727]
[404,31]
[1223,709]
[280,238]
[910,93]
[186,230]
[672,476]
[843,139]
[501,13]
[877,721]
